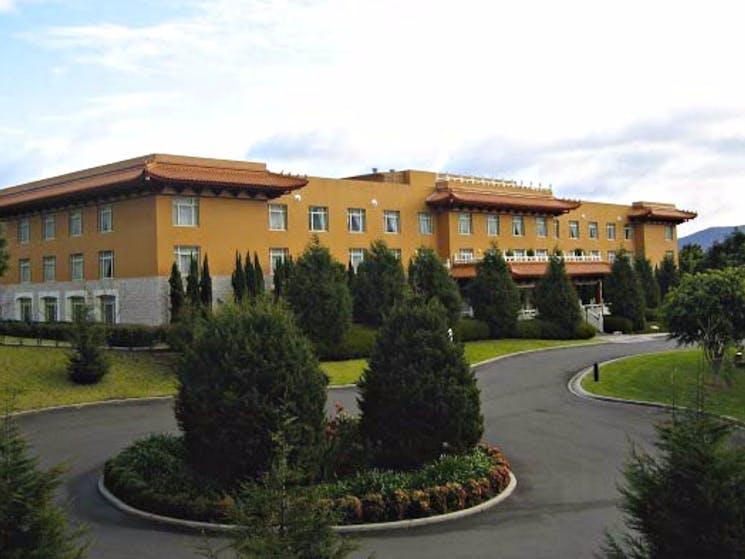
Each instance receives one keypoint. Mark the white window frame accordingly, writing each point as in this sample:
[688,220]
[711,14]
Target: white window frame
[105,297]
[557,228]
[24,231]
[610,231]
[76,217]
[492,225]
[77,259]
[628,232]
[322,214]
[49,263]
[465,223]
[397,253]
[44,299]
[592,230]
[466,255]
[391,222]
[189,205]
[574,229]
[96,302]
[183,255]
[595,254]
[24,269]
[104,256]
[541,226]
[69,307]
[426,223]
[48,227]
[277,217]
[611,256]
[520,253]
[518,226]
[277,255]
[105,218]
[541,253]
[356,220]
[25,297]
[669,232]
[356,257]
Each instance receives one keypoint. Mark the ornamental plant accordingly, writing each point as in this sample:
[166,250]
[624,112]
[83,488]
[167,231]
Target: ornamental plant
[429,278]
[623,292]
[493,294]
[244,366]
[556,299]
[176,293]
[378,284]
[418,397]
[88,362]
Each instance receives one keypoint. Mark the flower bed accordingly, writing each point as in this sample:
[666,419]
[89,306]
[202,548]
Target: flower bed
[152,475]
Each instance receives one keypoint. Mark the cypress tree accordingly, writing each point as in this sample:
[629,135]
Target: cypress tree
[623,292]
[494,295]
[650,287]
[668,275]
[88,362]
[205,286]
[250,276]
[31,525]
[258,276]
[282,272]
[556,299]
[429,278]
[379,284]
[176,292]
[238,279]
[192,283]
[350,276]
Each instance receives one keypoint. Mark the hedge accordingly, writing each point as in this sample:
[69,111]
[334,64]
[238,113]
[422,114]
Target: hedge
[356,343]
[537,329]
[471,329]
[617,324]
[117,335]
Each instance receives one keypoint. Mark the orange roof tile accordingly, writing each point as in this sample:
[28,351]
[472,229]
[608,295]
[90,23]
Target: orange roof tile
[525,270]
[501,201]
[661,214]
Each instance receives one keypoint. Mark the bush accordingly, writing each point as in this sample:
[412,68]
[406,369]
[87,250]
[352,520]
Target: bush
[493,295]
[246,367]
[429,278]
[617,324]
[652,315]
[528,329]
[585,331]
[378,285]
[134,335]
[116,335]
[88,362]
[538,329]
[556,299]
[471,329]
[356,343]
[418,397]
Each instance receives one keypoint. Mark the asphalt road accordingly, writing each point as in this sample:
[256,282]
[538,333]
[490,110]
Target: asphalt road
[566,453]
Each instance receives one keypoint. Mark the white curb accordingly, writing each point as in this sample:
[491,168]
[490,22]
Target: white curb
[348,529]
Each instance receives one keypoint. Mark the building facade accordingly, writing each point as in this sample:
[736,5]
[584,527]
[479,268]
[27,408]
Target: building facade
[108,236]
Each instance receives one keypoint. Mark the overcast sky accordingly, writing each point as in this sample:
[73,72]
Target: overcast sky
[605,101]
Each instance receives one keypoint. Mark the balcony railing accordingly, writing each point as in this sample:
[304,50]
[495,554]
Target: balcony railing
[537,258]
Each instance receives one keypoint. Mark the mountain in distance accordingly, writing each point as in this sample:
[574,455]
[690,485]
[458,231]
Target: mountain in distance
[708,237]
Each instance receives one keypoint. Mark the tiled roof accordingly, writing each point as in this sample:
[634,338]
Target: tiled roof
[135,173]
[527,270]
[501,201]
[661,214]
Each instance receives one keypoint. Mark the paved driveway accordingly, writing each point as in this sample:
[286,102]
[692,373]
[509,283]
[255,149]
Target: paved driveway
[565,452]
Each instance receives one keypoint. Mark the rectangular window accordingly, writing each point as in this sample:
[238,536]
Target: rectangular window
[76,267]
[628,232]
[77,307]
[574,229]
[50,309]
[48,227]
[592,229]
[610,231]
[465,224]
[595,254]
[318,218]
[425,223]
[541,254]
[518,226]
[557,228]
[24,270]
[50,268]
[611,256]
[356,220]
[392,221]
[397,253]
[519,253]
[669,232]
[540,227]
[105,218]
[356,256]
[185,211]
[107,305]
[277,255]
[277,217]
[183,255]
[25,309]
[465,255]
[24,231]
[492,225]
[76,223]
[106,264]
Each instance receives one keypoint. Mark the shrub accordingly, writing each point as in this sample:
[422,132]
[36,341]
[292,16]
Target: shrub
[246,366]
[135,335]
[538,329]
[429,278]
[624,293]
[88,362]
[343,451]
[528,329]
[494,296]
[652,315]
[556,299]
[378,285]
[617,324]
[356,343]
[584,331]
[418,396]
[471,329]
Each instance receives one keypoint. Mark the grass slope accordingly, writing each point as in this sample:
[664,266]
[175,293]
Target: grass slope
[669,377]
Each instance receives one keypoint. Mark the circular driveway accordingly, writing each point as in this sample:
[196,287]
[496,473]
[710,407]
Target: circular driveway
[566,453]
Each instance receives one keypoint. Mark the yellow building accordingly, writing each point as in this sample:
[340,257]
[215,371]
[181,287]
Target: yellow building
[109,235]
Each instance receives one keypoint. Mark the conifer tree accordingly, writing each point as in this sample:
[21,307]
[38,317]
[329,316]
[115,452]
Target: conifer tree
[429,278]
[258,276]
[250,276]
[650,287]
[176,292]
[238,279]
[205,286]
[379,284]
[88,362]
[351,274]
[494,295]
[192,283]
[31,524]
[623,292]
[668,275]
[556,299]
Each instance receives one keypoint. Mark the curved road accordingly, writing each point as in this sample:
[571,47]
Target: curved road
[565,452]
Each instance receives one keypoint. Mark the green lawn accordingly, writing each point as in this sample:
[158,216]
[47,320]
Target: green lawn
[36,377]
[347,372]
[669,377]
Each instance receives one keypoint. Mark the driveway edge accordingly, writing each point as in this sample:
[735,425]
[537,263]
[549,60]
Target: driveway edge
[349,529]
